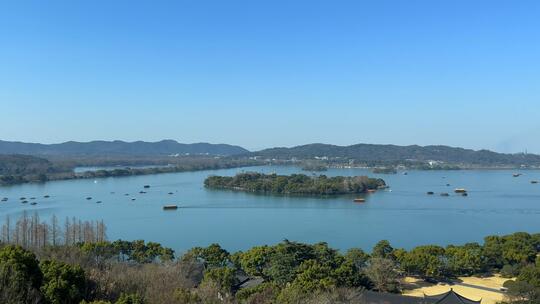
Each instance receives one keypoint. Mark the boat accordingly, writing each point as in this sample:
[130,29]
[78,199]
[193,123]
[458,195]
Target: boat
[405,173]
[46,196]
[447,185]
[33,203]
[142,192]
[24,202]
[146,186]
[534,182]
[430,193]
[170,207]
[32,198]
[5,199]
[359,200]
[98,202]
[132,199]
[460,190]
[516,174]
[89,198]
[23,198]
[371,191]
[464,194]
[170,193]
[445,194]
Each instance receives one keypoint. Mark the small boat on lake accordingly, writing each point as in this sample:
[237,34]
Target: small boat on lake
[359,200]
[142,192]
[534,182]
[445,194]
[88,198]
[430,193]
[516,174]
[371,191]
[22,198]
[5,199]
[46,196]
[464,194]
[33,203]
[146,186]
[98,202]
[132,199]
[24,202]
[170,193]
[460,190]
[170,207]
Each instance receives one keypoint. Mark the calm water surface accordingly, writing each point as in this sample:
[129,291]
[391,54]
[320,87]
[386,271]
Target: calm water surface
[497,204]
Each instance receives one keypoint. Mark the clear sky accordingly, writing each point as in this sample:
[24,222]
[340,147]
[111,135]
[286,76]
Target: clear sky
[273,73]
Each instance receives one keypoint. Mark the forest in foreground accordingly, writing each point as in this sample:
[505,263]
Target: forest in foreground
[72,262]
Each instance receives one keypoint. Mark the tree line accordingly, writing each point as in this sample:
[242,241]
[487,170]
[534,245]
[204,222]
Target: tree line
[300,184]
[18,169]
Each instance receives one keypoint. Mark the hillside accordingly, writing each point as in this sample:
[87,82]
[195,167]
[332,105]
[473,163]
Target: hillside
[108,148]
[24,164]
[392,153]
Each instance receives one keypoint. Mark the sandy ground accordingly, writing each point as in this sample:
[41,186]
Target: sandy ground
[417,288]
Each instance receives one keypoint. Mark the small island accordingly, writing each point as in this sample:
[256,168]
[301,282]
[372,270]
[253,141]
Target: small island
[384,170]
[295,184]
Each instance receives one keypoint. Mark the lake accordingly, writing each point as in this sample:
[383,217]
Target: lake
[497,204]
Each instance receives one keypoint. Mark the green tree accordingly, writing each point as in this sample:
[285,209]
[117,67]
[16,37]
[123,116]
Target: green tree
[62,283]
[464,260]
[313,276]
[212,256]
[255,260]
[383,250]
[223,277]
[20,276]
[427,261]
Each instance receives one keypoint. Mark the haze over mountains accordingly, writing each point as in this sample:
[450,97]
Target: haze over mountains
[361,152]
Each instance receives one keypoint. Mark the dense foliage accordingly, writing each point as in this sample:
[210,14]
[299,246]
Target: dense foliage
[294,184]
[141,272]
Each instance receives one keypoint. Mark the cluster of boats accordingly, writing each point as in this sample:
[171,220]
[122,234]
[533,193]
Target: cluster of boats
[166,207]
[460,191]
[24,200]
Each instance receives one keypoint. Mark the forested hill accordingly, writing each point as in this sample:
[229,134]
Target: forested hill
[25,164]
[371,152]
[108,148]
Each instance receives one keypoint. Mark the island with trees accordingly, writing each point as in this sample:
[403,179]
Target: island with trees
[295,184]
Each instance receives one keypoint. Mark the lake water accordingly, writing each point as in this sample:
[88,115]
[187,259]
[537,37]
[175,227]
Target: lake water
[497,204]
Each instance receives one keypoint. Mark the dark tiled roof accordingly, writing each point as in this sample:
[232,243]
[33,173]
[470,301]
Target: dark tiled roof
[452,297]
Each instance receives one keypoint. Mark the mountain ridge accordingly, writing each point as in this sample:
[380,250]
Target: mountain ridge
[389,152]
[118,147]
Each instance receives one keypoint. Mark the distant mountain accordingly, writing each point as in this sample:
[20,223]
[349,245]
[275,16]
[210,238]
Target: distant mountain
[375,153]
[110,148]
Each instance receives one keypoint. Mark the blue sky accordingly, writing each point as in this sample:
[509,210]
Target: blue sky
[273,73]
